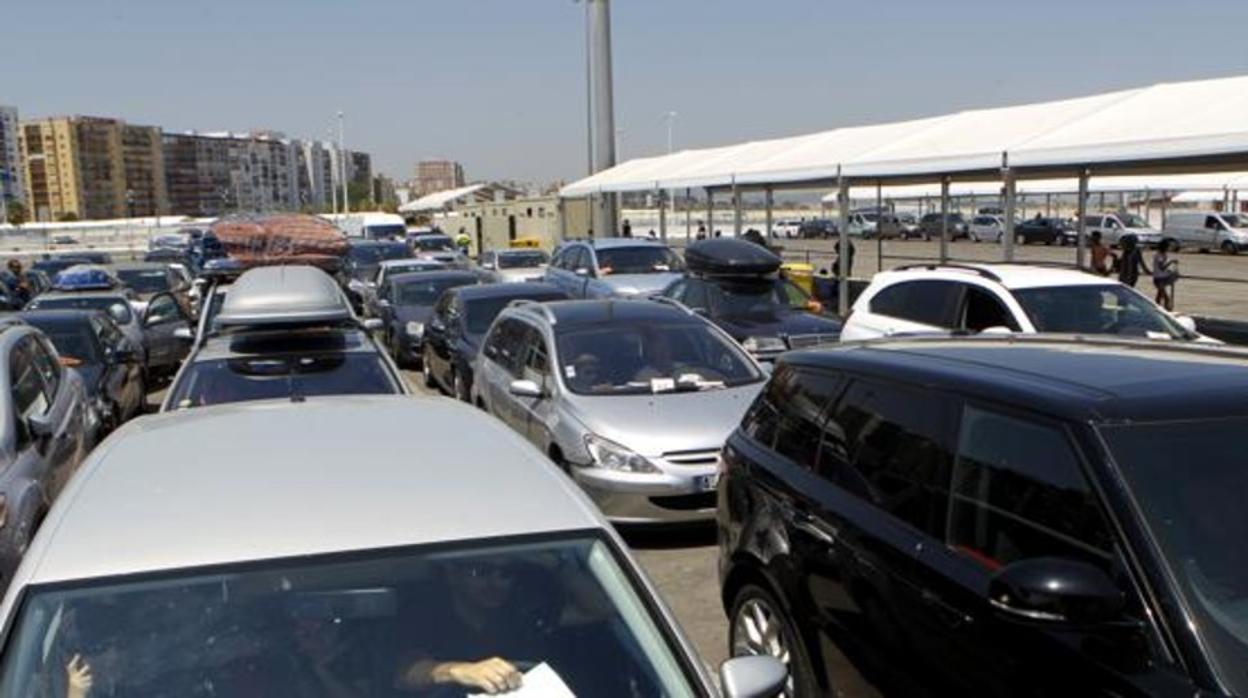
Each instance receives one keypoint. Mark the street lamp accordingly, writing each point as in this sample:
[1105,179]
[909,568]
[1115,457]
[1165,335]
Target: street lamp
[342,156]
[671,125]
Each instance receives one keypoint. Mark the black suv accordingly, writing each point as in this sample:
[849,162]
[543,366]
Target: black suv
[993,517]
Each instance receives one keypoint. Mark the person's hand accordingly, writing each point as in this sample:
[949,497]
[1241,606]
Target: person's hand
[78,675]
[493,676]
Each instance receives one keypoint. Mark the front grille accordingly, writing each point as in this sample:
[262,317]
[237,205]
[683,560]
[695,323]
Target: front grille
[703,457]
[804,341]
[686,502]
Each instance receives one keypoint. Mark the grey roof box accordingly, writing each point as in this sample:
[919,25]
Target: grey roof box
[285,295]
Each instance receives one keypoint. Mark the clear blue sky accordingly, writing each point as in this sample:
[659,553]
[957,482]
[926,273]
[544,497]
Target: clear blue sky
[499,84]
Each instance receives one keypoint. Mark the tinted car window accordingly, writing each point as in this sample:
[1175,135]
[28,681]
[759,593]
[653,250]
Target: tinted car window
[425,291]
[1019,493]
[799,428]
[517,260]
[145,280]
[25,380]
[696,294]
[981,310]
[637,260]
[289,376]
[894,446]
[505,343]
[49,367]
[1097,309]
[482,311]
[118,308]
[927,301]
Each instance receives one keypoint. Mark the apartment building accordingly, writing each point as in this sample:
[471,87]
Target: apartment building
[11,171]
[438,175]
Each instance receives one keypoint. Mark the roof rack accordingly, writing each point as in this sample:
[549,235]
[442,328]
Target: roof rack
[932,266]
[665,300]
[536,305]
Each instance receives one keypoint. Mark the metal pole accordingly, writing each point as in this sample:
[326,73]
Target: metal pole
[662,215]
[1007,236]
[736,209]
[767,202]
[1081,249]
[710,212]
[1048,205]
[842,271]
[589,100]
[944,220]
[879,226]
[688,214]
[342,155]
[1164,201]
[603,107]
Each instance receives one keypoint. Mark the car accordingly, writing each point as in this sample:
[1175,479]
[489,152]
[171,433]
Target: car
[786,228]
[460,319]
[420,593]
[363,259]
[91,343]
[64,240]
[1113,226]
[817,229]
[55,265]
[430,243]
[179,241]
[385,270]
[930,226]
[764,311]
[284,332]
[632,399]
[93,257]
[513,265]
[168,255]
[992,516]
[1048,231]
[1208,230]
[613,267]
[986,228]
[147,279]
[405,305]
[863,223]
[44,438]
[1007,298]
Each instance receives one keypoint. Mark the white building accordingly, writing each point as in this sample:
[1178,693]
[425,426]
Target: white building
[11,188]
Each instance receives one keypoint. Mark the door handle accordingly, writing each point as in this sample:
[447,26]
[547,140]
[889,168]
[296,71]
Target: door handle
[806,523]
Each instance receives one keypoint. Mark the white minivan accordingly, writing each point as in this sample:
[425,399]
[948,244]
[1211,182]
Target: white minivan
[1113,226]
[1208,230]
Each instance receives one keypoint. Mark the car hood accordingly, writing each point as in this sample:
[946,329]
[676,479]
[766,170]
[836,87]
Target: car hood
[653,425]
[638,284]
[776,324]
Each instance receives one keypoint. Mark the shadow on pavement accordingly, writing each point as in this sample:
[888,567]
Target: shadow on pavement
[668,536]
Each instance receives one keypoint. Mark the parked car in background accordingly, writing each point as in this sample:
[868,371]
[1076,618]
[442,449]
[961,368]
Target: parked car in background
[931,223]
[364,258]
[383,606]
[863,224]
[513,265]
[633,399]
[284,333]
[110,365]
[986,228]
[1046,231]
[817,229]
[1007,298]
[992,517]
[179,241]
[460,319]
[405,304]
[737,286]
[44,437]
[786,228]
[147,279]
[430,243]
[387,269]
[1112,226]
[1208,230]
[613,267]
[55,265]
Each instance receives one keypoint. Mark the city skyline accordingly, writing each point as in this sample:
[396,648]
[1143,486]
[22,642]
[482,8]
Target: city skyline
[499,86]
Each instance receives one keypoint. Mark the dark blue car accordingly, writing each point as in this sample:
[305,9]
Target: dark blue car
[405,303]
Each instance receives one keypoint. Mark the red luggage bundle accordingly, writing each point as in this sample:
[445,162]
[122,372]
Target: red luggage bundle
[289,238]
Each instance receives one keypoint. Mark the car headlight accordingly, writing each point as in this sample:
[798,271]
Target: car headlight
[610,455]
[755,345]
[415,330]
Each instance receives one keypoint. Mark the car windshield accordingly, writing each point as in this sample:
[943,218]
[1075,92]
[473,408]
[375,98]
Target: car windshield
[650,357]
[414,265]
[382,232]
[561,612]
[757,298]
[118,308]
[517,260]
[482,311]
[433,243]
[637,260]
[1235,220]
[366,255]
[71,342]
[145,280]
[1097,309]
[295,376]
[1130,220]
[425,291]
[1189,478]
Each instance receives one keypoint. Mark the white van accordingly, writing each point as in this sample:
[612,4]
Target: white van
[1112,226]
[372,225]
[1208,230]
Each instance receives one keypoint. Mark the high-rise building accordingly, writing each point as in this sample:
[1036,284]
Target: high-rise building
[90,167]
[11,174]
[215,173]
[438,175]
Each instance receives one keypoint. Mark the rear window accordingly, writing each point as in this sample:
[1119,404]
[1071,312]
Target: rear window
[293,376]
[929,302]
[118,308]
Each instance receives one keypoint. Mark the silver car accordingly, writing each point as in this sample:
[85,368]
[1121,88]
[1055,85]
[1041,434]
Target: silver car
[513,266]
[634,399]
[613,268]
[228,578]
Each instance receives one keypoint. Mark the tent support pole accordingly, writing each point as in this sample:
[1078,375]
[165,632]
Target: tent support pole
[944,220]
[688,214]
[662,215]
[736,209]
[767,202]
[879,226]
[1081,248]
[710,212]
[1164,201]
[1048,205]
[1007,236]
[842,257]
[1148,204]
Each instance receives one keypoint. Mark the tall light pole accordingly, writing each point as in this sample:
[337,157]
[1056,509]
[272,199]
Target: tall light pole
[342,156]
[671,126]
[602,108]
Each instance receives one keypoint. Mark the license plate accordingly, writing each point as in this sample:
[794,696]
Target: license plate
[706,483]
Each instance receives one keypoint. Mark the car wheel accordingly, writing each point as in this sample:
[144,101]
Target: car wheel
[1230,247]
[460,388]
[759,626]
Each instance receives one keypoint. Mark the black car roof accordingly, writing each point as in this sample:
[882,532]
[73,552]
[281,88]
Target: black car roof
[526,289]
[590,312]
[1076,378]
[437,275]
[59,316]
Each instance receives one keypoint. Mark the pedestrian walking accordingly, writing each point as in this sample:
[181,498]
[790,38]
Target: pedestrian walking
[1165,274]
[1132,261]
[849,262]
[701,231]
[627,229]
[1103,259]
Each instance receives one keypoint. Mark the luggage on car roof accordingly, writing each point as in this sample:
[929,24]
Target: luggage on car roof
[267,240]
[729,257]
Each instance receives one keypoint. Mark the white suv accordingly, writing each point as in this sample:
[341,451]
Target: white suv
[1007,298]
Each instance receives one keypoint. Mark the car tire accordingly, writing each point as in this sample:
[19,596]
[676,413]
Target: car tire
[1229,247]
[757,625]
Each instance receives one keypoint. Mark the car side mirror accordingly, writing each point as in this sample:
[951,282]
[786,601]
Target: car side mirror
[1055,591]
[1187,322]
[753,677]
[525,388]
[184,333]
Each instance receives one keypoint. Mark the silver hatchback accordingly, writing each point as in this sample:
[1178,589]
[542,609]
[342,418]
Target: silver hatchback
[634,399]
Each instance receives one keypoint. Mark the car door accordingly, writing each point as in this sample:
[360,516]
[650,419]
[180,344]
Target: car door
[161,319]
[438,337]
[501,363]
[584,274]
[125,377]
[539,411]
[560,270]
[40,388]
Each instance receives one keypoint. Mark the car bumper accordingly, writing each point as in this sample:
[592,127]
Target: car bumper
[663,497]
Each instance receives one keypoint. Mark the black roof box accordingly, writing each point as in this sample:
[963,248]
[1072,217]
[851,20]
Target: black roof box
[729,257]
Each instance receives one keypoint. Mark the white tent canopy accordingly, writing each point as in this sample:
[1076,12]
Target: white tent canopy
[1197,124]
[1213,183]
[439,199]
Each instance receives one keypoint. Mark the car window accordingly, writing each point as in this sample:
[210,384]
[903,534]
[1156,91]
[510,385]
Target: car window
[482,311]
[928,301]
[637,260]
[74,343]
[1019,493]
[763,417]
[799,427]
[161,310]
[677,290]
[1112,309]
[536,357]
[892,446]
[982,309]
[1212,223]
[118,308]
[294,376]
[696,295]
[506,343]
[25,381]
[48,365]
[425,291]
[145,280]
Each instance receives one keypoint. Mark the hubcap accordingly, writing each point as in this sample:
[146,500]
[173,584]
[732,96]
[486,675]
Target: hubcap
[758,631]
